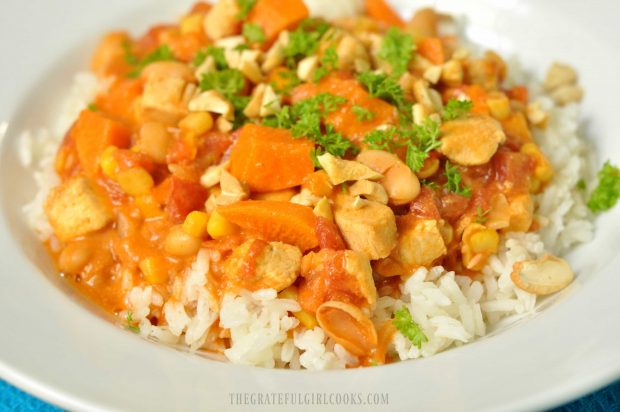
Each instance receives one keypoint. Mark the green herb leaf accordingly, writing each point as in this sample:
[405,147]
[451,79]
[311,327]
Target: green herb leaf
[304,40]
[456,108]
[290,81]
[245,7]
[129,56]
[92,107]
[162,53]
[408,327]
[362,114]
[253,33]
[216,52]
[386,140]
[454,183]
[482,216]
[397,49]
[130,323]
[229,82]
[430,184]
[415,157]
[329,63]
[606,194]
[581,185]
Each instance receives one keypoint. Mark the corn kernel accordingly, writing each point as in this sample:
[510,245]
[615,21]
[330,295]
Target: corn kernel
[430,167]
[288,293]
[192,23]
[108,163]
[148,206]
[543,171]
[499,105]
[307,319]
[218,227]
[196,224]
[154,269]
[486,241]
[196,123]
[135,181]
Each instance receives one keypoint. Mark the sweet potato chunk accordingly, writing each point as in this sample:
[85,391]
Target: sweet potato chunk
[275,16]
[269,159]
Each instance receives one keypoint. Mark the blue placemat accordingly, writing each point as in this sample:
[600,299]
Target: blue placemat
[607,399]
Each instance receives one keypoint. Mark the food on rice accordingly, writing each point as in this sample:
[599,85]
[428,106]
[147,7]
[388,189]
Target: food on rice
[281,190]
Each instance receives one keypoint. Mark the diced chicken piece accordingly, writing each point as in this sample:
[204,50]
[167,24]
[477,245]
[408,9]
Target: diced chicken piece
[342,275]
[162,99]
[257,264]
[452,73]
[222,21]
[487,72]
[558,75]
[75,209]
[370,230]
[420,242]
[471,141]
[340,170]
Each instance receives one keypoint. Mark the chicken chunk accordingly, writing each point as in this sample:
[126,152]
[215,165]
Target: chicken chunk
[370,229]
[162,99]
[257,264]
[341,275]
[75,209]
[419,242]
[471,141]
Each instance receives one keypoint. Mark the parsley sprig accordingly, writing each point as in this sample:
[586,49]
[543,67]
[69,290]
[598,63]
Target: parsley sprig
[131,323]
[607,192]
[482,216]
[245,7]
[328,63]
[397,49]
[362,114]
[216,52]
[387,88]
[456,108]
[306,118]
[162,53]
[304,41]
[408,327]
[254,33]
[454,183]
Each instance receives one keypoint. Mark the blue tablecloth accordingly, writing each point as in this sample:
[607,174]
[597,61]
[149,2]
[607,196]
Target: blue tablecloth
[607,399]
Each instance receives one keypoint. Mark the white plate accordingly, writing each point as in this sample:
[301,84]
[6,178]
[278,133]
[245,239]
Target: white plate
[51,346]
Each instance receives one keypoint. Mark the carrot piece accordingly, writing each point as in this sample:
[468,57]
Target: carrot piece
[92,133]
[519,93]
[318,183]
[381,11]
[269,159]
[119,101]
[344,119]
[275,16]
[432,49]
[275,221]
[109,57]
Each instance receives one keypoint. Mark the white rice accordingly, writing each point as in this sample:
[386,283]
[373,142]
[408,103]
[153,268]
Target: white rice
[452,310]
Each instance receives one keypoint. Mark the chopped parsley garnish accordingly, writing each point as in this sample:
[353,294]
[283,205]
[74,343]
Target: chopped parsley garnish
[129,56]
[162,53]
[304,41]
[130,323]
[92,107]
[386,140]
[430,184]
[581,185]
[606,194]
[456,108]
[482,216]
[305,119]
[329,63]
[362,114]
[454,183]
[218,57]
[288,83]
[254,33]
[245,7]
[384,87]
[397,49]
[408,327]
[229,82]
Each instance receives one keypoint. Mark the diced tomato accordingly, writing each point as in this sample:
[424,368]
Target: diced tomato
[329,235]
[184,197]
[426,204]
